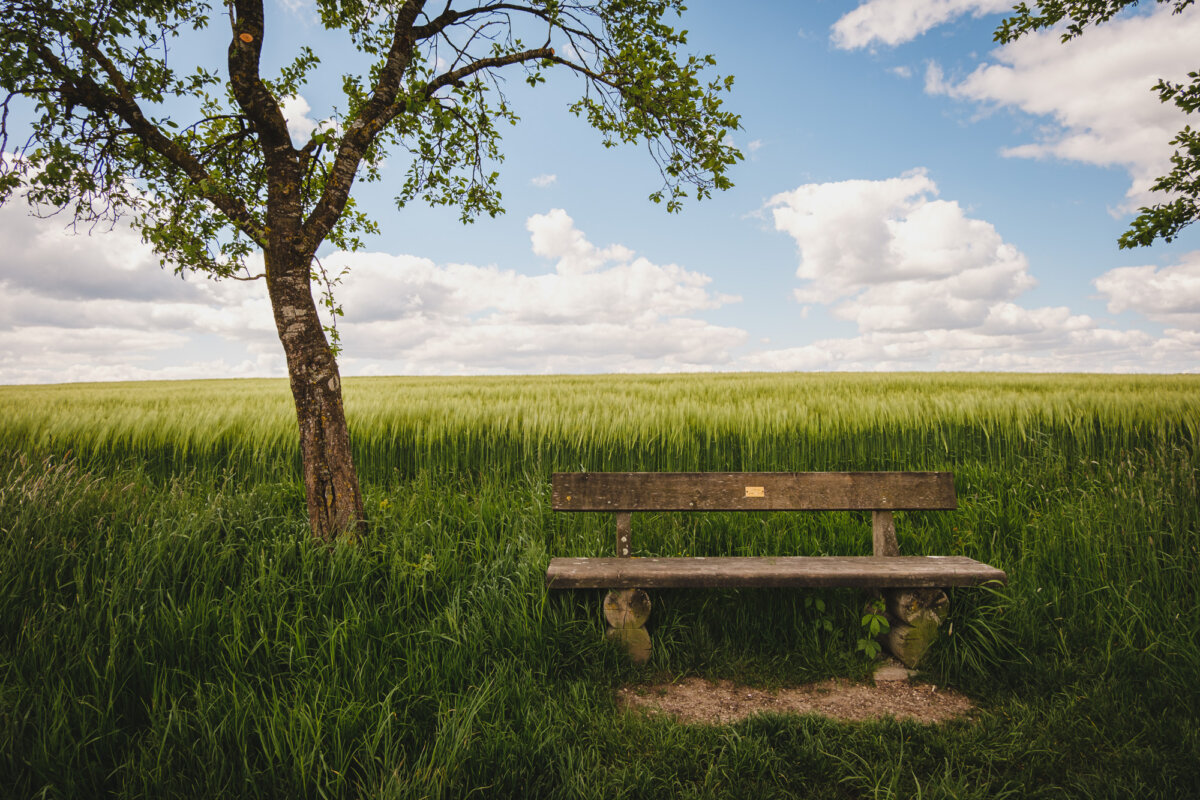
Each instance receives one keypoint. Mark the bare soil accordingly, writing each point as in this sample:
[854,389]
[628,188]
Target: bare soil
[704,702]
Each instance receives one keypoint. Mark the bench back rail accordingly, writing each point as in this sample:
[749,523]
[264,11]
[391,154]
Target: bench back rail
[881,493]
[753,491]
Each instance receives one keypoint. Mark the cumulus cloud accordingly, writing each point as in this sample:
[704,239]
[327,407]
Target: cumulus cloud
[893,22]
[928,287]
[601,309]
[1097,89]
[543,181]
[1083,350]
[56,354]
[1170,295]
[95,305]
[295,112]
[300,125]
[892,256]
[98,307]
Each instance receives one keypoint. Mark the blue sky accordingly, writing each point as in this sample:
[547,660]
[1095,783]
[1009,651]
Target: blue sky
[913,197]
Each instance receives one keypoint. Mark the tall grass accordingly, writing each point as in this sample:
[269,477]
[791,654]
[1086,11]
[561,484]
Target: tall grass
[168,629]
[723,421]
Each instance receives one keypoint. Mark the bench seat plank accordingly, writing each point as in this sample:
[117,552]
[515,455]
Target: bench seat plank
[780,571]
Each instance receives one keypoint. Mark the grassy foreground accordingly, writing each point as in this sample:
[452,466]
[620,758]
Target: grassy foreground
[167,629]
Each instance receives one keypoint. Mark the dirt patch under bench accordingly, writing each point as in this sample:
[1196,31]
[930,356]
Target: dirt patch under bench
[699,701]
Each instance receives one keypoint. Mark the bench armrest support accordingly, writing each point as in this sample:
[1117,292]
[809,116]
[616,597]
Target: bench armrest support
[624,527]
[883,534]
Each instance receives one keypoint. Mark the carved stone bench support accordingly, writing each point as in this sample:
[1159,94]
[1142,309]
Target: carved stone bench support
[914,616]
[626,611]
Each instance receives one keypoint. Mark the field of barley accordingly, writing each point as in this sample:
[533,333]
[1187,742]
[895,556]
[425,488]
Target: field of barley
[168,629]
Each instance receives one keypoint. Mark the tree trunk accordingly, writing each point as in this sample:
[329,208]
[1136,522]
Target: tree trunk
[335,505]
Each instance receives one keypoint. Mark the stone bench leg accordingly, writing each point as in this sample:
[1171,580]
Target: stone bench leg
[914,616]
[626,611]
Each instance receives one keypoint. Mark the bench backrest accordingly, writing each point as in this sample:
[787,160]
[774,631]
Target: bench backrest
[753,491]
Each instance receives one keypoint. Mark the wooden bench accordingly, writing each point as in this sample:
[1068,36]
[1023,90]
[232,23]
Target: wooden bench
[912,585]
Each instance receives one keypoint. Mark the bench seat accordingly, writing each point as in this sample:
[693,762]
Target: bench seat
[782,571]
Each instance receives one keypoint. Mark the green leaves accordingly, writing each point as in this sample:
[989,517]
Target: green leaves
[1079,13]
[94,72]
[1166,220]
[874,623]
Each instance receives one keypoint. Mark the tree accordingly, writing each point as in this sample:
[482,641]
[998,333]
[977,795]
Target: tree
[105,142]
[1182,184]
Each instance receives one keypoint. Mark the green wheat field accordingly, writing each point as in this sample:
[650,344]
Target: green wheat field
[169,629]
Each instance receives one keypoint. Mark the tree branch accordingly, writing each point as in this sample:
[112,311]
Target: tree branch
[361,131]
[83,90]
[245,50]
[454,76]
[448,17]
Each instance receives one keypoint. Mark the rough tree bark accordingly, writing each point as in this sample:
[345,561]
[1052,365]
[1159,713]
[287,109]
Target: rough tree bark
[331,486]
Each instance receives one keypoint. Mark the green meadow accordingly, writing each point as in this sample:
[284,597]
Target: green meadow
[169,629]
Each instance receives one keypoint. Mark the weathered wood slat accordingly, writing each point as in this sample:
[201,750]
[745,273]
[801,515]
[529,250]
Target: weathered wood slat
[753,491]
[781,571]
[624,526]
[883,534]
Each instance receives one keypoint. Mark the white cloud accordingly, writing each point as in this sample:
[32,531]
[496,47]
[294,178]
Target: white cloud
[81,308]
[555,236]
[601,309]
[893,22]
[57,354]
[300,125]
[1170,295]
[97,306]
[543,181]
[892,256]
[935,79]
[1085,350]
[930,288]
[927,286]
[1097,89]
[295,111]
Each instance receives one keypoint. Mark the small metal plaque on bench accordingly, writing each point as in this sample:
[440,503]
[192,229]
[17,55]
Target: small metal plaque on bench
[755,491]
